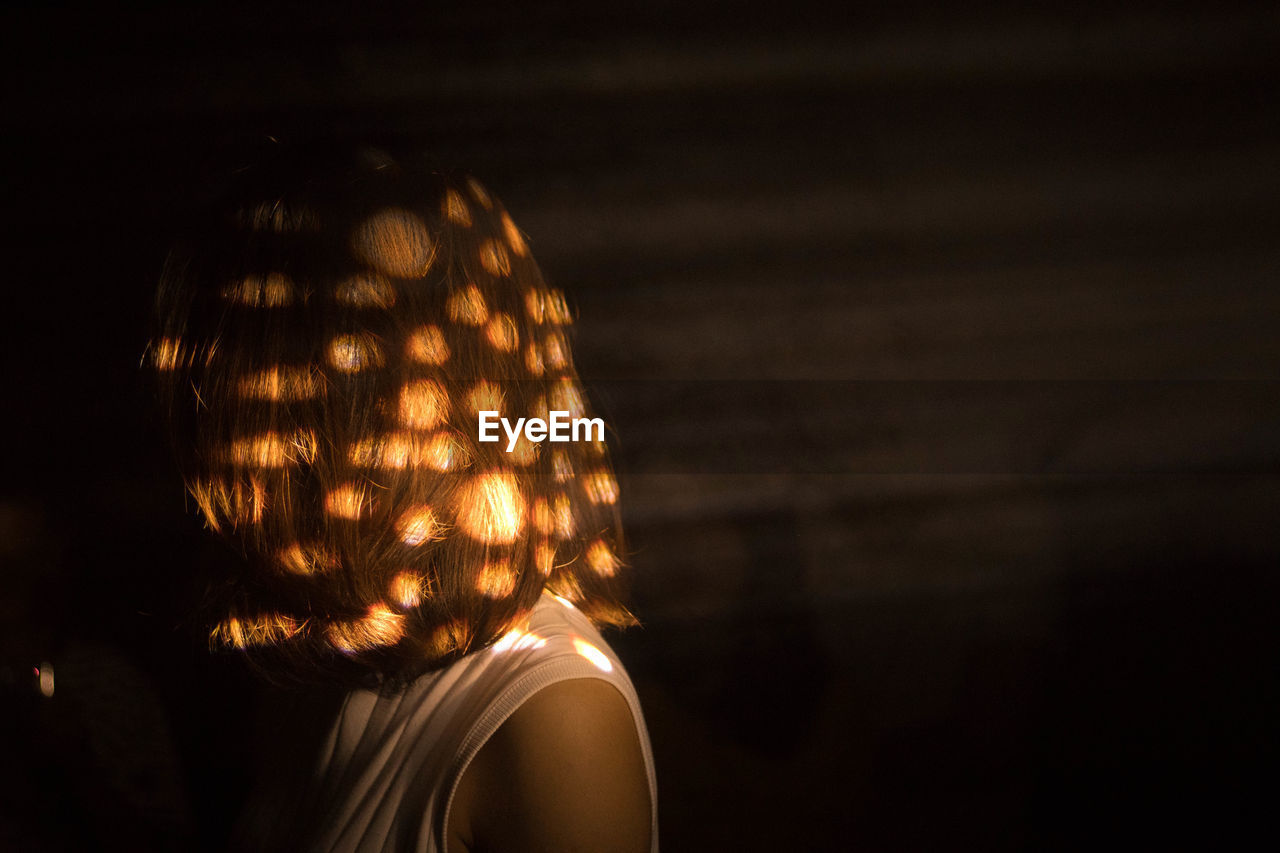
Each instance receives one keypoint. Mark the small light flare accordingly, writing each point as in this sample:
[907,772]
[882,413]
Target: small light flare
[274,290]
[426,345]
[494,258]
[502,334]
[408,589]
[490,507]
[600,486]
[166,353]
[367,290]
[282,384]
[591,653]
[347,501]
[514,239]
[353,353]
[419,524]
[601,559]
[44,679]
[517,640]
[423,404]
[455,209]
[467,307]
[395,242]
[496,579]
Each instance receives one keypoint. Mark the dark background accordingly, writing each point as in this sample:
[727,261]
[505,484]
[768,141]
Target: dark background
[940,340]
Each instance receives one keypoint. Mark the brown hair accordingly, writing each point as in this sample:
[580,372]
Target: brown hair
[324,340]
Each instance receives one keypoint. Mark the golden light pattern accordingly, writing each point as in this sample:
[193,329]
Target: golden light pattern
[444,453]
[282,384]
[591,653]
[490,507]
[479,193]
[423,404]
[562,512]
[484,396]
[557,308]
[395,242]
[514,239]
[408,589]
[256,291]
[265,630]
[566,397]
[525,453]
[367,290]
[241,503]
[381,626]
[347,501]
[502,333]
[556,349]
[305,559]
[450,636]
[601,559]
[395,450]
[419,524]
[427,346]
[467,306]
[535,305]
[518,640]
[542,518]
[272,450]
[353,353]
[544,557]
[494,258]
[166,353]
[601,487]
[455,209]
[496,579]
[561,467]
[533,359]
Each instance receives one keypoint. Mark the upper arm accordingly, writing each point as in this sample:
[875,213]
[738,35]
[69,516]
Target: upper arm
[564,773]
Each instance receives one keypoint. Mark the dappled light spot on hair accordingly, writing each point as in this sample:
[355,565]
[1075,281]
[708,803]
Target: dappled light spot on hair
[542,519]
[443,452]
[263,630]
[395,451]
[566,397]
[514,238]
[301,559]
[380,626]
[367,290]
[348,501]
[535,305]
[494,258]
[561,467]
[601,559]
[449,637]
[467,306]
[556,349]
[419,524]
[533,359]
[502,333]
[282,384]
[557,309]
[544,557]
[455,209]
[490,507]
[423,404]
[562,512]
[167,353]
[591,653]
[395,242]
[240,503]
[279,218]
[272,450]
[479,193]
[273,290]
[427,346]
[525,453]
[496,579]
[353,353]
[600,486]
[484,396]
[408,589]
[518,640]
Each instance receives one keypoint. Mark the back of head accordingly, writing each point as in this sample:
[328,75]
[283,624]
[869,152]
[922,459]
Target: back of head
[326,337]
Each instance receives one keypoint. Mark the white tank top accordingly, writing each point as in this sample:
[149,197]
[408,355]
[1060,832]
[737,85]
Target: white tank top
[387,770]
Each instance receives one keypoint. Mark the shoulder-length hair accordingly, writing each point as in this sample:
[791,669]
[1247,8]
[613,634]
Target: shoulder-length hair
[324,342]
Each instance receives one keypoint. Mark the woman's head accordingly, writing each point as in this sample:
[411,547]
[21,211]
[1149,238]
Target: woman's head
[326,338]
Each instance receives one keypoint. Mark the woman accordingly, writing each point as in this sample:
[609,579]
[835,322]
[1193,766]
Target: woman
[327,341]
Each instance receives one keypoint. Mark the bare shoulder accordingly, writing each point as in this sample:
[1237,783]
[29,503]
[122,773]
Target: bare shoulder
[565,772]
